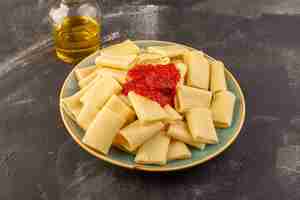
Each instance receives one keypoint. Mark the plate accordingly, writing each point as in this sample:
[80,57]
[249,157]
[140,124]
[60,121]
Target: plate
[117,157]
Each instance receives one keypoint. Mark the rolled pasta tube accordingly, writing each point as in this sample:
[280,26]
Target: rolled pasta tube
[72,105]
[189,97]
[154,151]
[182,68]
[122,148]
[95,98]
[81,73]
[172,114]
[113,61]
[122,49]
[168,51]
[146,56]
[120,144]
[222,109]
[84,82]
[176,60]
[103,129]
[218,80]
[146,109]
[201,125]
[179,130]
[119,75]
[137,133]
[198,70]
[159,61]
[178,151]
[116,105]
[125,99]
[152,58]
[102,82]
[71,112]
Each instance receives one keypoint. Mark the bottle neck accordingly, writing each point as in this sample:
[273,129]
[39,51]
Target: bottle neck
[69,2]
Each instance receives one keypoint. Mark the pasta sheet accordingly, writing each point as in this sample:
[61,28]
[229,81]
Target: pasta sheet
[81,73]
[154,151]
[137,133]
[179,130]
[189,97]
[201,125]
[178,151]
[103,129]
[222,109]
[218,80]
[95,98]
[146,109]
[198,70]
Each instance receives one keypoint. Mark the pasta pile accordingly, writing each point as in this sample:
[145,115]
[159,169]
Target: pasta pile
[140,126]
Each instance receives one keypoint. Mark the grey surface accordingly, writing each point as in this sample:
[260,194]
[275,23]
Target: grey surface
[258,39]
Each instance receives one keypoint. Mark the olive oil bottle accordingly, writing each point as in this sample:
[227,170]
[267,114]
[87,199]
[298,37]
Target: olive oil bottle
[76,29]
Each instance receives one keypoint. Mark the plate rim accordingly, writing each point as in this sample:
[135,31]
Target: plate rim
[144,167]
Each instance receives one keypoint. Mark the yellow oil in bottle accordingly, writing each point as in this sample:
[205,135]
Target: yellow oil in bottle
[76,37]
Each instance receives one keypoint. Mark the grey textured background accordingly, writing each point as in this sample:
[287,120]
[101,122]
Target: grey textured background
[258,40]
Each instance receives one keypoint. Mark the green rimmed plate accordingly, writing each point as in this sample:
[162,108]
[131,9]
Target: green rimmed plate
[117,157]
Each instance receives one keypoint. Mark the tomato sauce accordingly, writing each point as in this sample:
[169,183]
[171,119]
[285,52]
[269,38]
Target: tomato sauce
[157,82]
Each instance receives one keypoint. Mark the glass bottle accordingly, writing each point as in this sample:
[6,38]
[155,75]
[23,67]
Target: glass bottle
[76,28]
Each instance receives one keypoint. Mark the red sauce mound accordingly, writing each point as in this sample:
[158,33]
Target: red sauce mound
[157,82]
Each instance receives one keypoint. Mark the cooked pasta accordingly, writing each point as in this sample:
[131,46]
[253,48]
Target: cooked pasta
[182,68]
[180,112]
[117,105]
[222,109]
[81,73]
[93,100]
[103,129]
[154,151]
[137,133]
[72,104]
[172,114]
[201,125]
[178,151]
[152,58]
[189,97]
[146,109]
[125,99]
[122,49]
[179,131]
[218,80]
[118,62]
[168,51]
[198,70]
[88,79]
[119,75]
